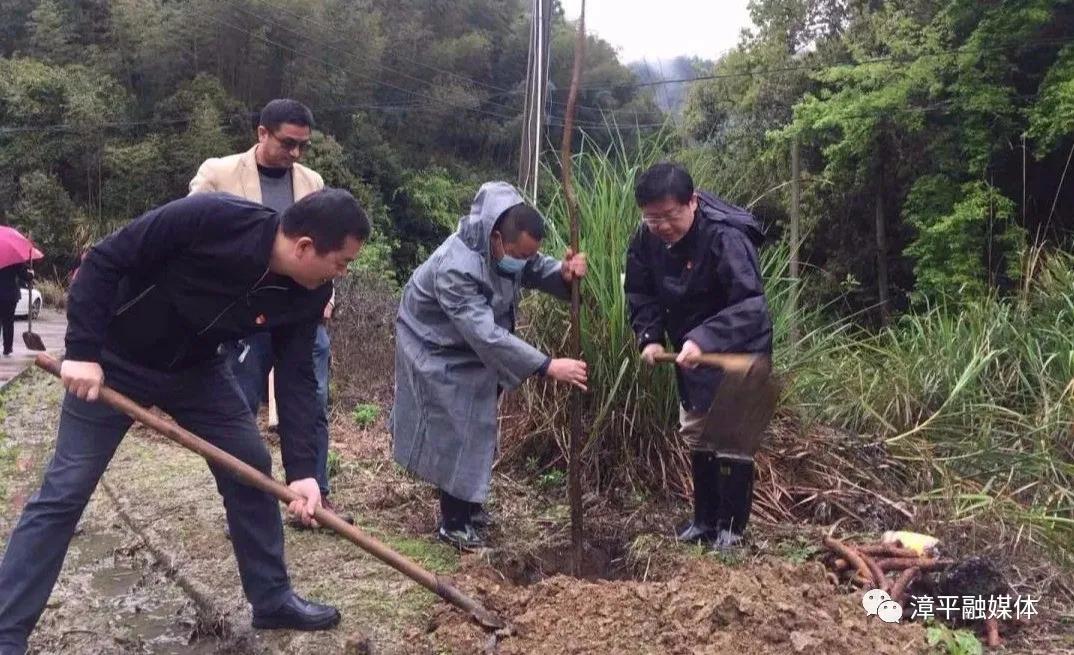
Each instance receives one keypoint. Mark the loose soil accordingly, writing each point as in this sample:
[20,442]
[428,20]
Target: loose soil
[704,607]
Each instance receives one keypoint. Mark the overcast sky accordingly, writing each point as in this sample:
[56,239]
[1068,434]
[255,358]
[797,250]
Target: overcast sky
[644,29]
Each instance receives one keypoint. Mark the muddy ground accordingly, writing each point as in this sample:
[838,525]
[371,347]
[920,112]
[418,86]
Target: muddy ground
[150,570]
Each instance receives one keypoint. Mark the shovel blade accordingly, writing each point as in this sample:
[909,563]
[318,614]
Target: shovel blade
[33,341]
[741,410]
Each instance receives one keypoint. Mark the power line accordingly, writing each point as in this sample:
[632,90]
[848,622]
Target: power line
[942,106]
[325,62]
[411,92]
[498,91]
[583,125]
[68,127]
[323,26]
[348,53]
[414,93]
[816,67]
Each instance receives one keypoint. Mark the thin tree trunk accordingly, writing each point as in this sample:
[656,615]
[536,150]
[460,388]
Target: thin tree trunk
[796,196]
[881,250]
[574,472]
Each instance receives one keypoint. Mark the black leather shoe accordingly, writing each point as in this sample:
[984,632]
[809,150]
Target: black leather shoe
[298,614]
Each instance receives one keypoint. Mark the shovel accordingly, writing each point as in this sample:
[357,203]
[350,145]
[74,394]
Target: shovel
[439,585]
[32,341]
[743,405]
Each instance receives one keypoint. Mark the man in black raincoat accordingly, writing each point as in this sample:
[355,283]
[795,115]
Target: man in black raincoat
[693,279]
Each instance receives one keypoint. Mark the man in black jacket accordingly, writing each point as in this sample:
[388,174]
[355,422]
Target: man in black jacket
[692,278]
[147,313]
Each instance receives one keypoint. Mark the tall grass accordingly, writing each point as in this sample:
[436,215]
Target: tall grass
[631,407]
[628,407]
[973,396]
[976,394]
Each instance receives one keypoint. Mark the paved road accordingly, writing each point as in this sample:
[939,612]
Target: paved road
[52,325]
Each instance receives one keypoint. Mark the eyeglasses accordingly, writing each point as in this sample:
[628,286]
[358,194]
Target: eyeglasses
[655,221]
[290,144]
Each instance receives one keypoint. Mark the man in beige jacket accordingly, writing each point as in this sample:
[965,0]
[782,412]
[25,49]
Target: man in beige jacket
[269,173]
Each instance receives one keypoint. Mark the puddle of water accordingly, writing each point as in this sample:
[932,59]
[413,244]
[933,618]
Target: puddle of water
[127,597]
[114,583]
[110,597]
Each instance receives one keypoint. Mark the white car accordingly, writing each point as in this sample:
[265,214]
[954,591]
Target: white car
[24,303]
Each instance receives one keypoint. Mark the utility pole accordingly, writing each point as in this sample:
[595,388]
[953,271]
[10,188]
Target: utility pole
[533,118]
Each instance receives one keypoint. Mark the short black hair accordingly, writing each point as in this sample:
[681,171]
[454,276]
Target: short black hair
[518,219]
[284,110]
[663,180]
[327,217]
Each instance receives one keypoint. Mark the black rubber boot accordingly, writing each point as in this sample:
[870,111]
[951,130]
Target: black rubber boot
[455,525]
[706,499]
[735,480]
[479,516]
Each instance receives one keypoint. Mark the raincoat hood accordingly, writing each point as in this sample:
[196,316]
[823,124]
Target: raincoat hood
[715,209]
[491,201]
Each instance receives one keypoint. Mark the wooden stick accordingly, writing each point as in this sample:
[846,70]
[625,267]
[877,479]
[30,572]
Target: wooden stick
[738,363]
[574,482]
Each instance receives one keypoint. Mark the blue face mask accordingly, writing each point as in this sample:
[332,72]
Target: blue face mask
[511,265]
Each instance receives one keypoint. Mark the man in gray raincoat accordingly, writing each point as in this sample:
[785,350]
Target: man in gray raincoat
[455,351]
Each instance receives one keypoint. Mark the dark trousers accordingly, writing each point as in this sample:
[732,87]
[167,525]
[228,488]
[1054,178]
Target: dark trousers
[7,323]
[251,360]
[205,401]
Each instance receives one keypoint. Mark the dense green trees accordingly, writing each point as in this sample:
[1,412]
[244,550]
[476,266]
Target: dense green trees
[108,106]
[935,131]
[918,118]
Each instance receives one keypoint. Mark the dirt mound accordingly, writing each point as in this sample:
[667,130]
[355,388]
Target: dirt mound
[707,607]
